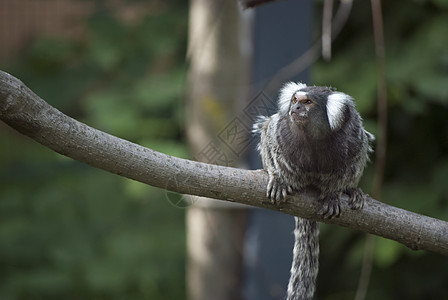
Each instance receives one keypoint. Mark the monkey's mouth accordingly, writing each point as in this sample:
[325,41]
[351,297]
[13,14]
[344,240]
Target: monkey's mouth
[298,118]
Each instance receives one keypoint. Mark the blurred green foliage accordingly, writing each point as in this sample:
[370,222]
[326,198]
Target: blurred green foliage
[416,179]
[69,231]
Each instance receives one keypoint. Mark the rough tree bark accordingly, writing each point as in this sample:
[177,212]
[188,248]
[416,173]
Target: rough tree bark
[24,111]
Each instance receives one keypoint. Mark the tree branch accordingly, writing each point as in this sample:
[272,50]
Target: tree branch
[254,3]
[26,112]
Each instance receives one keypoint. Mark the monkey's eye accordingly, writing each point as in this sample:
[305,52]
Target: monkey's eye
[306,101]
[294,100]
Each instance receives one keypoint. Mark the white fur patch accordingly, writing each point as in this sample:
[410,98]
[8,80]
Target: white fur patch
[285,96]
[335,109]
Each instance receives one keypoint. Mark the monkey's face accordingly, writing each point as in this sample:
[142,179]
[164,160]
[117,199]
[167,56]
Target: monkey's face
[307,113]
[315,110]
[305,109]
[300,108]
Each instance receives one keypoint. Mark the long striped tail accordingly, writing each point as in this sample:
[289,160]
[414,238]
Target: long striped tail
[305,264]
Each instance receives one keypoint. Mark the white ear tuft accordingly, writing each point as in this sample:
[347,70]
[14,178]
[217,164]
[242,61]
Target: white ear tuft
[335,109]
[286,94]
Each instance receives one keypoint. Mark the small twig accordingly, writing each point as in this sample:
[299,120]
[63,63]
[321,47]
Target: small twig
[254,3]
[380,150]
[313,53]
[381,145]
[326,29]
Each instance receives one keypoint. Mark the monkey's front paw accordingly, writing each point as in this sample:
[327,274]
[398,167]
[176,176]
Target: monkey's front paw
[331,207]
[277,190]
[357,198]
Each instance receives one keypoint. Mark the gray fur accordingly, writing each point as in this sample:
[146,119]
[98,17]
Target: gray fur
[314,141]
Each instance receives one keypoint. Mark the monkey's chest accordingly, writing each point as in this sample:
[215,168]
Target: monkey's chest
[317,160]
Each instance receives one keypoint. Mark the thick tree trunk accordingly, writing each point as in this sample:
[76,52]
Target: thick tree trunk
[215,231]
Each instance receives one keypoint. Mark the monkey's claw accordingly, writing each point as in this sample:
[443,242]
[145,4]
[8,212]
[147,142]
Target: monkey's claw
[331,207]
[357,198]
[277,190]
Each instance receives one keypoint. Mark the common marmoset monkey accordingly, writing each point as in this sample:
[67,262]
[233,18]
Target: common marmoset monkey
[315,140]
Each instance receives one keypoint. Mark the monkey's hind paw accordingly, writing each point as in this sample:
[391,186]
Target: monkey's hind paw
[357,198]
[331,207]
[277,190]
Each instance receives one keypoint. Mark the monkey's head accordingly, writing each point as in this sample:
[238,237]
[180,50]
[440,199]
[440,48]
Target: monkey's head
[316,110]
